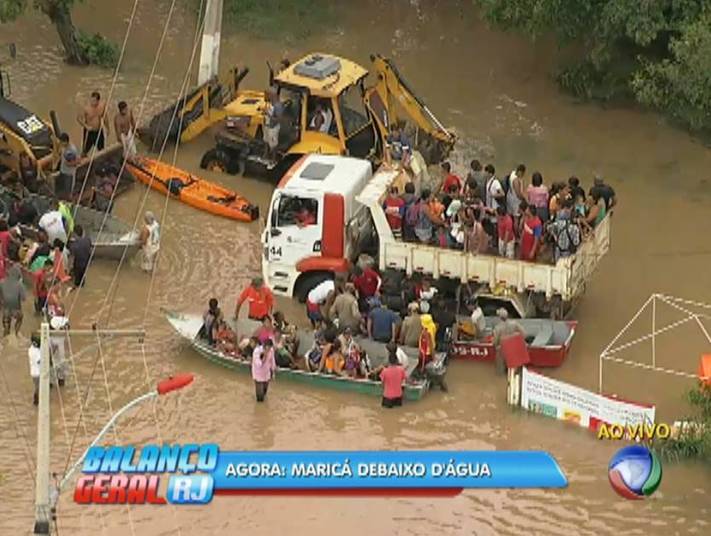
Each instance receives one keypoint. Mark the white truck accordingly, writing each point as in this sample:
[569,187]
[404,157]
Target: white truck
[347,201]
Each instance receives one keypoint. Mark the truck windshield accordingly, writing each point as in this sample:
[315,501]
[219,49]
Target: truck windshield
[293,210]
[353,113]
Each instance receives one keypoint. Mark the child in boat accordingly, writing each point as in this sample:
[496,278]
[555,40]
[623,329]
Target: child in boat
[266,330]
[333,361]
[225,338]
[354,364]
[246,347]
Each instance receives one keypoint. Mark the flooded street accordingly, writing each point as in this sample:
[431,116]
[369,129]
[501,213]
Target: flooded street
[495,90]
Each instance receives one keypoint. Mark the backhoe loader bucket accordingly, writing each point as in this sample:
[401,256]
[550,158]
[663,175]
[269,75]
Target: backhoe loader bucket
[169,125]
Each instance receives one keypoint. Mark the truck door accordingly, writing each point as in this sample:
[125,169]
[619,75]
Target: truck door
[358,128]
[295,228]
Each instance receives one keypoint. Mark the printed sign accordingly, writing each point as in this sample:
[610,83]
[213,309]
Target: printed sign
[553,398]
[30,125]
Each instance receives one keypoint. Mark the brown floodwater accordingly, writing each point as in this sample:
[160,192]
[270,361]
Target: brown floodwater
[495,89]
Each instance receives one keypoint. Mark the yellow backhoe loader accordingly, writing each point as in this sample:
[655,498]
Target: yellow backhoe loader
[357,116]
[22,131]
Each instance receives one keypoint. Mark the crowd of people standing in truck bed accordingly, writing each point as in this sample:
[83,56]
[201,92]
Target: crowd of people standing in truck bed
[511,217]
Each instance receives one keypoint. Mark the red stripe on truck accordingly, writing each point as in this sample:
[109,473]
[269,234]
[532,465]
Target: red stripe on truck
[323,264]
[333,225]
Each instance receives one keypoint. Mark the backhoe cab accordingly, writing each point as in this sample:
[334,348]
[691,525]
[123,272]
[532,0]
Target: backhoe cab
[356,116]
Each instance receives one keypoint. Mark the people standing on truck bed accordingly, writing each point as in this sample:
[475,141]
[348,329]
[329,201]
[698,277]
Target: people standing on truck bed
[93,120]
[456,217]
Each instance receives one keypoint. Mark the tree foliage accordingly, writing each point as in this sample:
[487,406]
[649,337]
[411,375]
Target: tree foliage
[79,48]
[656,51]
[695,440]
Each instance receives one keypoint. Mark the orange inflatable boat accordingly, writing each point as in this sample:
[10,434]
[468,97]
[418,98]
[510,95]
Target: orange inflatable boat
[192,190]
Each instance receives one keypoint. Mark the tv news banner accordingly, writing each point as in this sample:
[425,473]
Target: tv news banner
[196,473]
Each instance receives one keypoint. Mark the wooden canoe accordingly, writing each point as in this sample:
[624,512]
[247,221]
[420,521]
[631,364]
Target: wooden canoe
[548,341]
[188,326]
[115,236]
[192,190]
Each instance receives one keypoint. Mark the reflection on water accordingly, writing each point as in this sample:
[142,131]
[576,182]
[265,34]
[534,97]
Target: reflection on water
[494,90]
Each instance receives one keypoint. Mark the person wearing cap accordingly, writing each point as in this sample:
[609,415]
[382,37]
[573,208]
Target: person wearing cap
[504,329]
[68,164]
[382,322]
[345,309]
[150,242]
[605,190]
[411,327]
[57,347]
[263,368]
[259,298]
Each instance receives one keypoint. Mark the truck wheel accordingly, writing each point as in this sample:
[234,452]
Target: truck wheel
[307,283]
[217,160]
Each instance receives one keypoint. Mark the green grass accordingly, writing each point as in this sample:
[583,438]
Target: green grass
[694,443]
[280,19]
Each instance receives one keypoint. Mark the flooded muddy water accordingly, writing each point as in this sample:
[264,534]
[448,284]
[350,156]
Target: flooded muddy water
[495,89]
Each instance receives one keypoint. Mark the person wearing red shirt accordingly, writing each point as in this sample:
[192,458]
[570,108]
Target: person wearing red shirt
[531,233]
[394,207]
[392,376]
[39,284]
[305,217]
[367,283]
[260,299]
[5,238]
[505,228]
[451,181]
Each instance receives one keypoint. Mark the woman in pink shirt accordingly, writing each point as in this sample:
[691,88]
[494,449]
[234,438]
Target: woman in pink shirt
[537,194]
[392,376]
[263,368]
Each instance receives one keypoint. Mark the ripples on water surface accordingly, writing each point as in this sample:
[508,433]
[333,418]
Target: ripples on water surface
[504,107]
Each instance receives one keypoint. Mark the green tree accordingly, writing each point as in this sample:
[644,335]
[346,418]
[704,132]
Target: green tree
[59,12]
[695,440]
[655,51]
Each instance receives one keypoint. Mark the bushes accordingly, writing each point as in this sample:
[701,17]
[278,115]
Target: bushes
[98,50]
[694,442]
[657,52]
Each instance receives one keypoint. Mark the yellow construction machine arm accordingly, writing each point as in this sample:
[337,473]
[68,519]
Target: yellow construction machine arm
[392,88]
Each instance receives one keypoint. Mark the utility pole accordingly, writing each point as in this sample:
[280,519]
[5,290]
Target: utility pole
[210,48]
[43,515]
[43,503]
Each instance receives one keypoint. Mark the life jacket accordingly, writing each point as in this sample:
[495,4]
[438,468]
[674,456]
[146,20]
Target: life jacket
[66,213]
[425,349]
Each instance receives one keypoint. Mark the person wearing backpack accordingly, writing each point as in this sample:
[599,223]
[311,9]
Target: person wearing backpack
[409,218]
[566,233]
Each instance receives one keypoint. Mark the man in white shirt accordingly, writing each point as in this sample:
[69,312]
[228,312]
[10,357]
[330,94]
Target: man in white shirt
[53,224]
[57,347]
[478,320]
[318,296]
[35,356]
[515,194]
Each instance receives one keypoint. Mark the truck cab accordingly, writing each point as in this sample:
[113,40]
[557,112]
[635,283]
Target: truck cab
[315,226]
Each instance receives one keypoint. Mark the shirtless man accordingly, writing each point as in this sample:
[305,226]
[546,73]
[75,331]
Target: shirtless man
[125,126]
[93,120]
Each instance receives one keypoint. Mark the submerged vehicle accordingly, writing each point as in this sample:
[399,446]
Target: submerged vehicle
[346,200]
[192,190]
[359,116]
[110,236]
[548,341]
[188,326]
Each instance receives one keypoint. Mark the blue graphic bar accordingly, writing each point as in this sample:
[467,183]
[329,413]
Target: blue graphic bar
[386,470]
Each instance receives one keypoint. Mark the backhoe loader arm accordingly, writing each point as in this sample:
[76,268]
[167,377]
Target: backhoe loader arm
[392,88]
